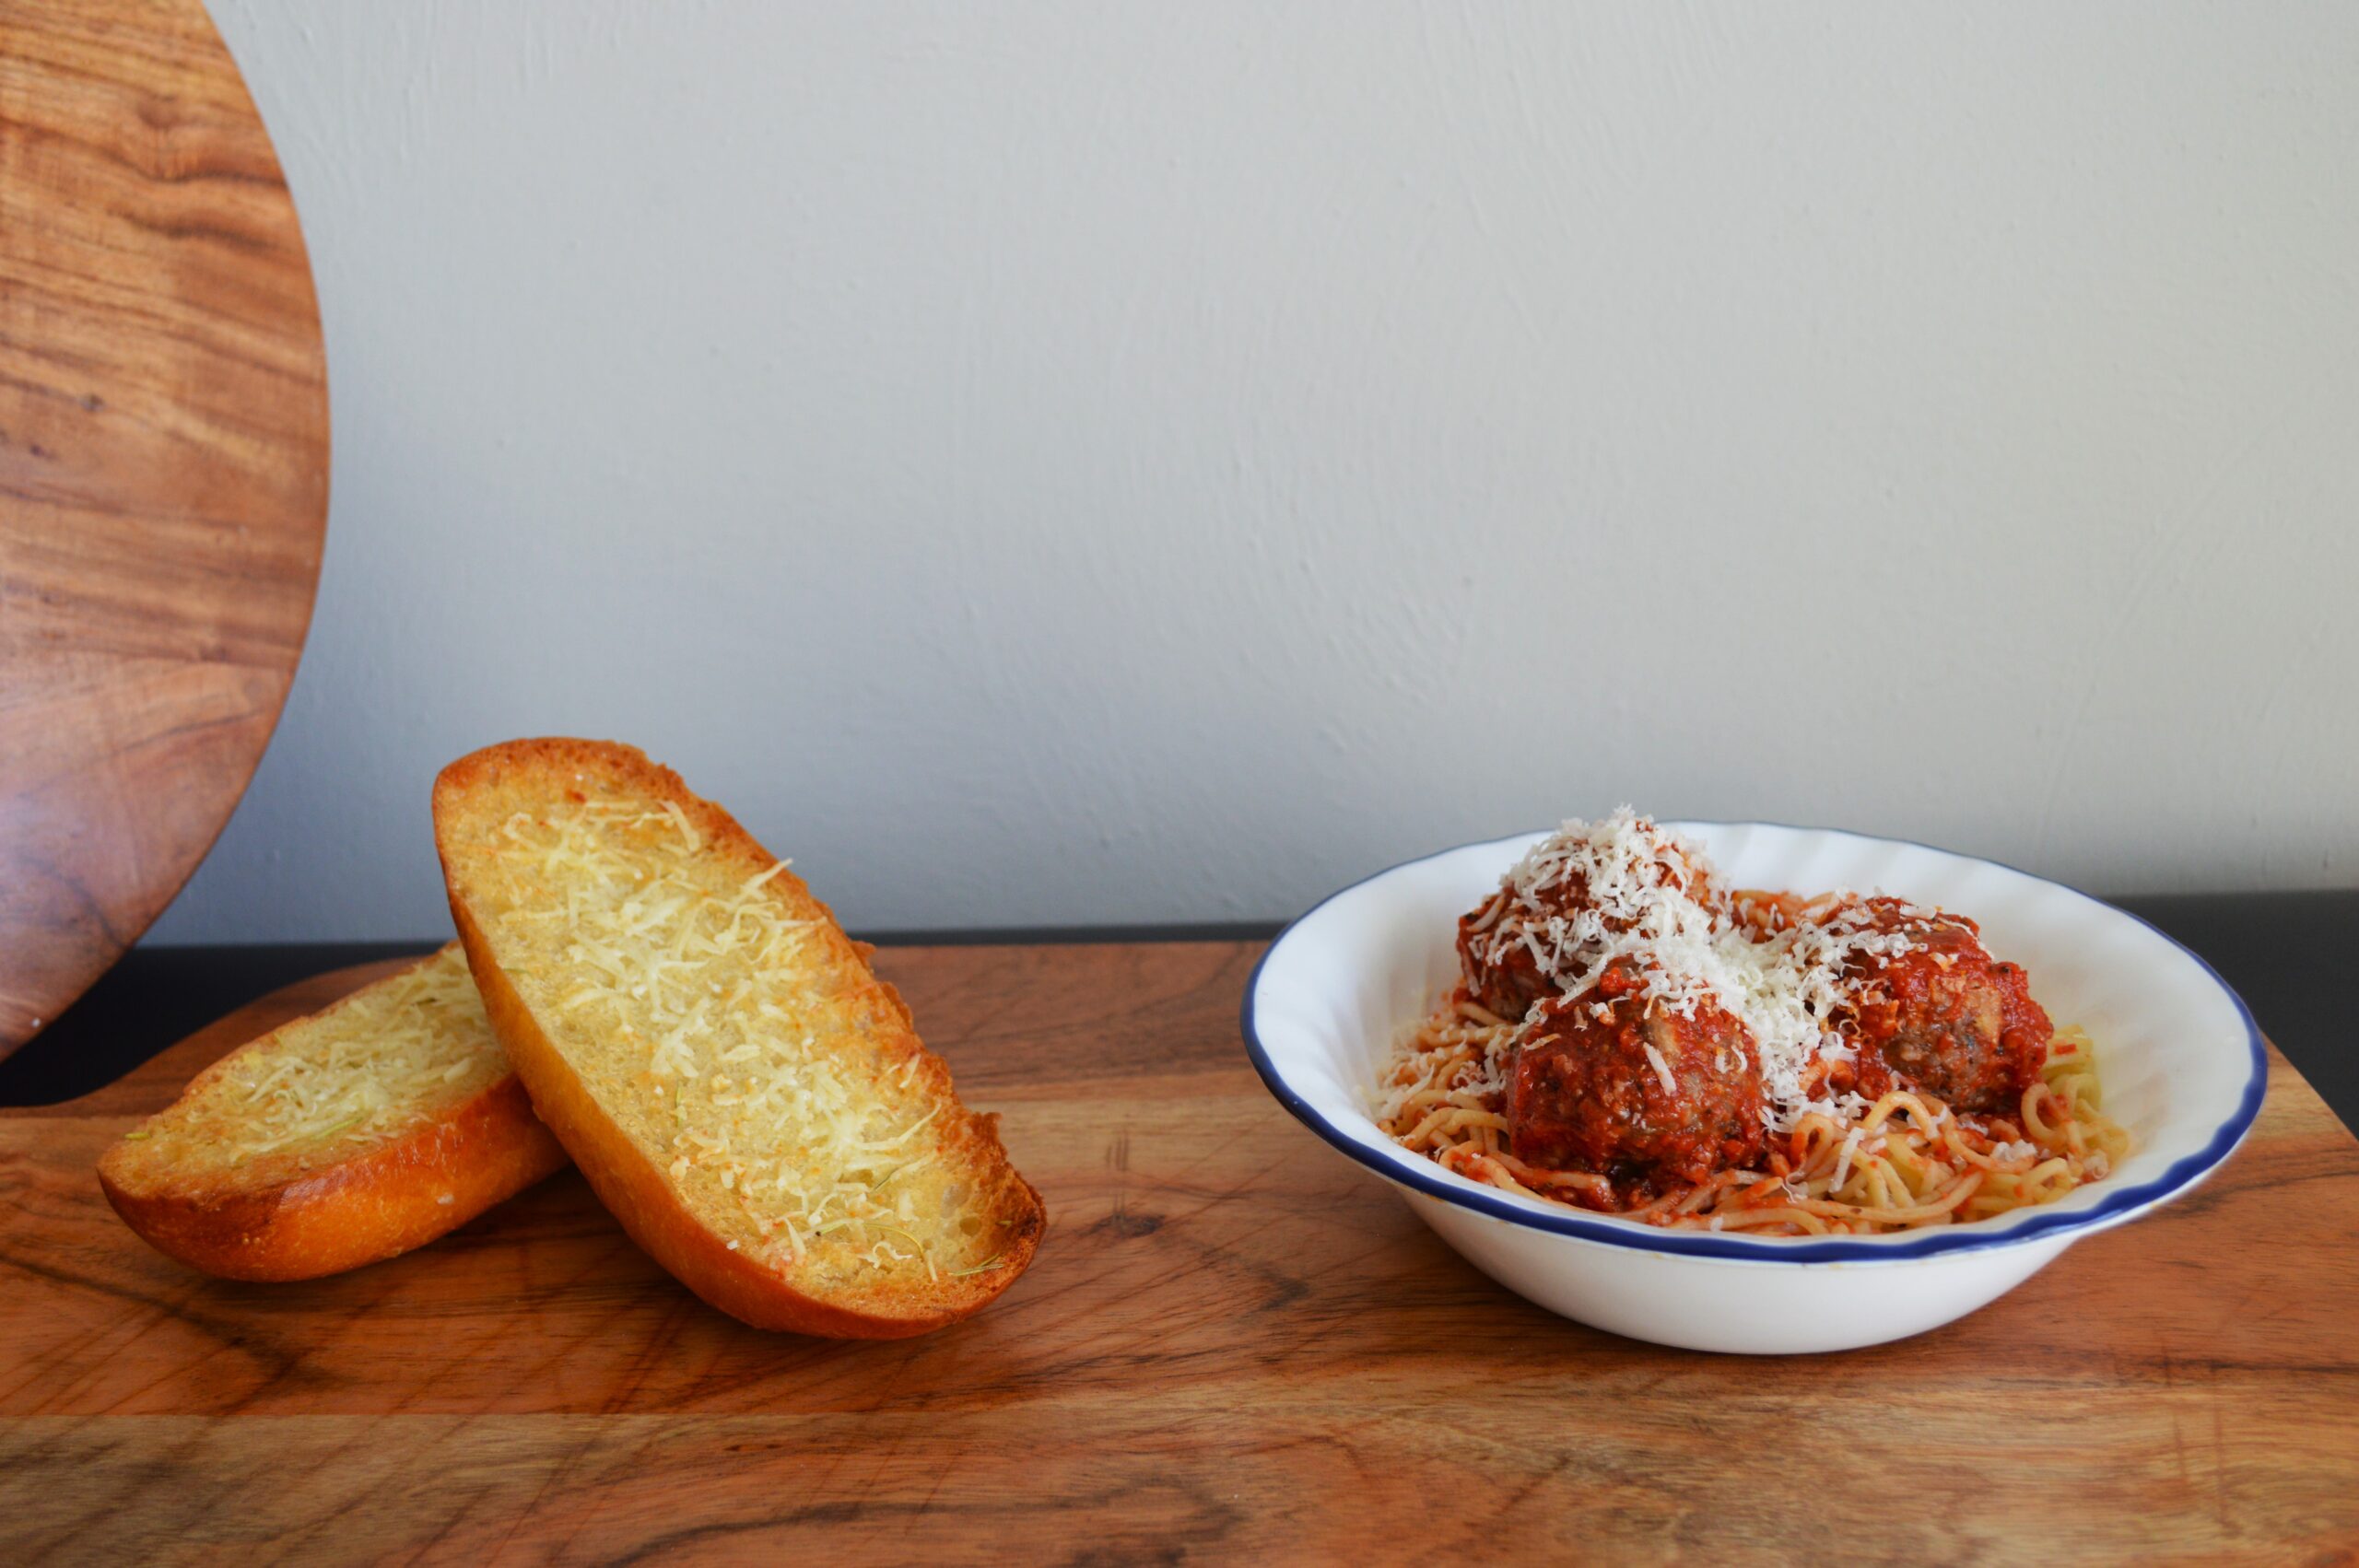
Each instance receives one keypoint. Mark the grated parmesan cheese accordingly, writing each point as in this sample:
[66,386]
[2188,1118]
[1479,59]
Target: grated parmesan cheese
[1622,890]
[774,1105]
[395,1055]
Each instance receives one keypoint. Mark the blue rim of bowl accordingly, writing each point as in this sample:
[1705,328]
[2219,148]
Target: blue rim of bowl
[2114,1208]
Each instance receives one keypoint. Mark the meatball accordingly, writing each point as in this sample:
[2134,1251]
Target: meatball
[1502,974]
[1943,1016]
[1586,1087]
[1538,904]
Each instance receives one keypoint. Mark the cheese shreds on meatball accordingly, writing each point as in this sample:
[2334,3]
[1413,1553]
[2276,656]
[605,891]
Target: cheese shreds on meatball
[1622,890]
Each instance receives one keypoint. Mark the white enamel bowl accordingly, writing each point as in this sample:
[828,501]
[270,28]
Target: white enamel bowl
[2181,1060]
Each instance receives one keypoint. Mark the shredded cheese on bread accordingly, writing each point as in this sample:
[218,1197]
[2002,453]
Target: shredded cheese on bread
[389,1058]
[720,1021]
[342,1138]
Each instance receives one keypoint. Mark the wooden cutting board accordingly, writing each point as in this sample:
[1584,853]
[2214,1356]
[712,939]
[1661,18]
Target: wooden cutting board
[1234,1345]
[163,474]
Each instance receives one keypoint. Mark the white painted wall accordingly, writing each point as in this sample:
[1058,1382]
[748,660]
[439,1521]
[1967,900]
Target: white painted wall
[1083,463]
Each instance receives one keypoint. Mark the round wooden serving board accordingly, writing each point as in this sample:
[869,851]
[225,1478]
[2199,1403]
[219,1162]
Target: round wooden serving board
[163,474]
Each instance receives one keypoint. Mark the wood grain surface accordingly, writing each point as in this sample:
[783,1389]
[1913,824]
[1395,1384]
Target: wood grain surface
[163,473]
[1234,1345]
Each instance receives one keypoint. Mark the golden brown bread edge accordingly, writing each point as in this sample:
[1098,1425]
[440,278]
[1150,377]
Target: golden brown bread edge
[633,1188]
[357,1211]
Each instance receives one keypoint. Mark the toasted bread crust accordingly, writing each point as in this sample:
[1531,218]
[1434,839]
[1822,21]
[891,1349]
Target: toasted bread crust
[639,1194]
[395,1196]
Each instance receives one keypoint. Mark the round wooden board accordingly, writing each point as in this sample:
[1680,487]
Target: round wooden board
[163,474]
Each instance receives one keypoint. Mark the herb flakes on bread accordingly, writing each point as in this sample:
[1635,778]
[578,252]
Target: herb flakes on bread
[745,1095]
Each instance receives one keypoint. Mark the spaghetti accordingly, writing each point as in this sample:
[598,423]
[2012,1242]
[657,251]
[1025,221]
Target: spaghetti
[1750,1062]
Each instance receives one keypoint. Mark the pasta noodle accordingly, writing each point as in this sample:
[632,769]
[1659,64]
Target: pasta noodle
[1908,1162]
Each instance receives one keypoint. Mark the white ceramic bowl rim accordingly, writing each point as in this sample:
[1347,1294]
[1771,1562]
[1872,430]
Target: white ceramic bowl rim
[1414,1171]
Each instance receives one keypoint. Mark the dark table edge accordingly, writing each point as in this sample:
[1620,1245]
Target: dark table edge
[2283,951]
[158,995]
